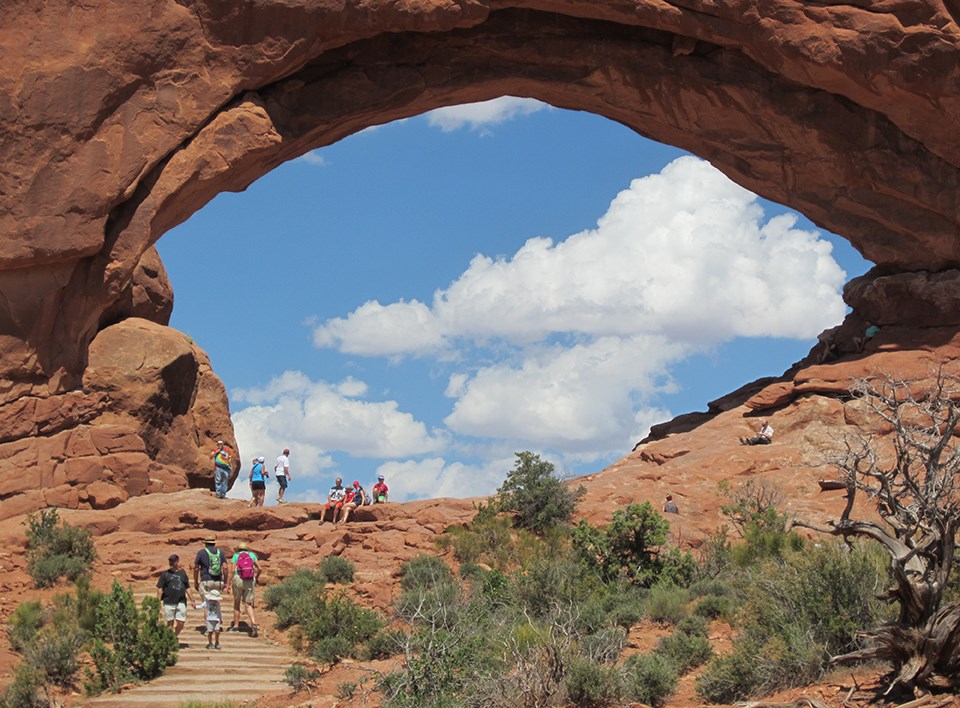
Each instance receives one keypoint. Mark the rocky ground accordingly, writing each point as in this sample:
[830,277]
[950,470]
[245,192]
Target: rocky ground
[689,457]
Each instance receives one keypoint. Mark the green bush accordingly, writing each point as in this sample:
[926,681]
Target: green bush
[294,598]
[684,651]
[694,625]
[649,678]
[797,613]
[383,645]
[56,549]
[299,677]
[129,644]
[667,603]
[54,652]
[591,684]
[337,626]
[424,572]
[24,623]
[337,570]
[27,690]
[714,607]
[536,497]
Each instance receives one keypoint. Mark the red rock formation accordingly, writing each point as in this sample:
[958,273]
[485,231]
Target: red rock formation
[118,120]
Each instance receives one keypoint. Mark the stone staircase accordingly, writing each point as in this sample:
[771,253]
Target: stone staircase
[242,671]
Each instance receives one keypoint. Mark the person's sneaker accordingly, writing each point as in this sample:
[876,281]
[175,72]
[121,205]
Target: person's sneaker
[231,628]
[209,646]
[254,632]
[216,646]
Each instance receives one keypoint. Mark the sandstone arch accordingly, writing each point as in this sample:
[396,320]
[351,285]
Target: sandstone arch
[119,120]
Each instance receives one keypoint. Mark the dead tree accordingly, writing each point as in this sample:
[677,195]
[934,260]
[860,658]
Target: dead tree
[907,465]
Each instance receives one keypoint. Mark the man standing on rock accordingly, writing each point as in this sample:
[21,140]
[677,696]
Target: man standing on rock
[221,469]
[212,567]
[173,591]
[282,471]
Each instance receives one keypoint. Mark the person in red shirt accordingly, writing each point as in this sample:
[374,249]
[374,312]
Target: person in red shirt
[380,491]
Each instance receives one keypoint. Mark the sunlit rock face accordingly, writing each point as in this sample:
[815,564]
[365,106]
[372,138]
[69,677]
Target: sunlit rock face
[118,120]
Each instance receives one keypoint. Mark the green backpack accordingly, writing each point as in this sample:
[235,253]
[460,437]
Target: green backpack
[215,560]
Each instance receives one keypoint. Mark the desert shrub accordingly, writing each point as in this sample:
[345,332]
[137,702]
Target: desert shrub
[591,684]
[605,645]
[538,499]
[684,651]
[347,690]
[24,623]
[295,596]
[667,603]
[337,626]
[299,677]
[694,625]
[385,644]
[54,652]
[429,591]
[424,571]
[27,690]
[677,568]
[337,570]
[797,613]
[494,540]
[714,606]
[56,549]
[649,678]
[130,644]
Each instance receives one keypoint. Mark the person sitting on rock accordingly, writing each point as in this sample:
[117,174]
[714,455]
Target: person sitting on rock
[380,491]
[670,506]
[869,332]
[334,502]
[764,435]
[356,496]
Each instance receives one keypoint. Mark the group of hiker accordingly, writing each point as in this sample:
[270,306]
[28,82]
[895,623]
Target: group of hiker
[343,500]
[213,579]
[257,478]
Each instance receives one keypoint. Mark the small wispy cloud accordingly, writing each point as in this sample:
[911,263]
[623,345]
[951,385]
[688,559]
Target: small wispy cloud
[478,116]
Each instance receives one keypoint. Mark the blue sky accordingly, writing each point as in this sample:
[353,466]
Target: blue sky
[425,298]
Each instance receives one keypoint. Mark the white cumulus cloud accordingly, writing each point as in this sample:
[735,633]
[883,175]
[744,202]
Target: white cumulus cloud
[315,418]
[434,477]
[478,116]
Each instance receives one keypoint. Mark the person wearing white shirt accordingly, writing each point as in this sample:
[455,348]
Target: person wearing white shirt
[281,471]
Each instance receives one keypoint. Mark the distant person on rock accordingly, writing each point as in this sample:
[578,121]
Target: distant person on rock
[380,491]
[356,496]
[281,470]
[246,571]
[335,500]
[827,340]
[869,332]
[221,469]
[764,435]
[670,506]
[211,567]
[213,613]
[258,481]
[173,591]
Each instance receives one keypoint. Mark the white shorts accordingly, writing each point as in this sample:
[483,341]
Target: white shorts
[175,612]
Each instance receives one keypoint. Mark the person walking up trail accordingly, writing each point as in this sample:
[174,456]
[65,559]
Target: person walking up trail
[210,567]
[281,471]
[214,617]
[173,591]
[246,572]
[221,469]
[258,482]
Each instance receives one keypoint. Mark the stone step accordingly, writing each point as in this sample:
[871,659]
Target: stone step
[175,699]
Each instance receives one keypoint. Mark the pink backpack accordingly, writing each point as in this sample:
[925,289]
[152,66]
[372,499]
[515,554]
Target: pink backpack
[245,567]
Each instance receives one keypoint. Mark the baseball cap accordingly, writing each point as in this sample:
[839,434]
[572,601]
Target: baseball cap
[356,483]
[380,477]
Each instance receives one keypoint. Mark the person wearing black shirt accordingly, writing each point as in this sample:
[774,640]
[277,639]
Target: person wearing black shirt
[173,591]
[210,568]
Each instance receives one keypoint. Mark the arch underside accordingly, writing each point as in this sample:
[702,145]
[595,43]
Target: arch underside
[845,114]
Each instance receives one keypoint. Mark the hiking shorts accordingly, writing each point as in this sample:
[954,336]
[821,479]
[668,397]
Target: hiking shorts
[282,481]
[258,486]
[176,612]
[243,588]
[214,626]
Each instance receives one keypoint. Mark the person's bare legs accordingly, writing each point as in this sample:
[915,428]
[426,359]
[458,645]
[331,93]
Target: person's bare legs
[346,511]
